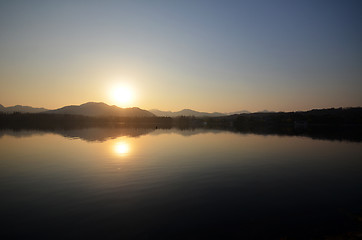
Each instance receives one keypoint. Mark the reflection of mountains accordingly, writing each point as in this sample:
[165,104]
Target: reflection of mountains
[106,133]
[20,133]
[187,132]
[352,134]
[87,134]
[333,133]
[103,134]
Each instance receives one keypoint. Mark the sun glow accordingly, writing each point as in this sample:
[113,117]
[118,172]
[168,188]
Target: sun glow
[122,96]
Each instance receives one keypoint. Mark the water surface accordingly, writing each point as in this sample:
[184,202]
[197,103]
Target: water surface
[173,184]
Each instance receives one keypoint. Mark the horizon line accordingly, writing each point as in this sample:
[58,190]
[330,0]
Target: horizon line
[228,112]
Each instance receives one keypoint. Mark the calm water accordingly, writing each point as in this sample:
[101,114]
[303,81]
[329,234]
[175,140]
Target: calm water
[172,184]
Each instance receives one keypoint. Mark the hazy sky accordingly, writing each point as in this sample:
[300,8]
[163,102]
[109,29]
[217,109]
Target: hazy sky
[205,55]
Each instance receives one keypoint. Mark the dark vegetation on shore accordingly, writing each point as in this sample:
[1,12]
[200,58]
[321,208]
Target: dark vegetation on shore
[336,124]
[68,121]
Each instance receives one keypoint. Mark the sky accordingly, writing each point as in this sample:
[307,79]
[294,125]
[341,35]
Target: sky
[209,55]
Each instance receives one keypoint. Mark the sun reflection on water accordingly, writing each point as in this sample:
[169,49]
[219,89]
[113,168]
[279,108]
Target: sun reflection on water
[121,148]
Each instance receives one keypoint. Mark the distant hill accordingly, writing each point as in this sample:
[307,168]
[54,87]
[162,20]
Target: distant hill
[94,109]
[189,113]
[237,112]
[21,109]
[265,111]
[185,112]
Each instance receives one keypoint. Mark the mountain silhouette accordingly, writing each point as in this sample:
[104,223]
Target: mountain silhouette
[102,109]
[237,112]
[98,109]
[21,109]
[185,112]
[266,111]
[190,113]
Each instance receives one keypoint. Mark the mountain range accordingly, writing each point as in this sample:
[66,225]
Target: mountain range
[189,113]
[21,109]
[185,112]
[94,109]
[102,109]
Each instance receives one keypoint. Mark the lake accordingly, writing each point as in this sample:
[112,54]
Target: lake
[177,184]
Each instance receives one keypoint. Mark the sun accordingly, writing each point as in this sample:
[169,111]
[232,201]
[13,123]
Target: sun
[122,96]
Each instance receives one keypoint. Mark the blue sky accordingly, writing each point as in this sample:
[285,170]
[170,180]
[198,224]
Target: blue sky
[206,55]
